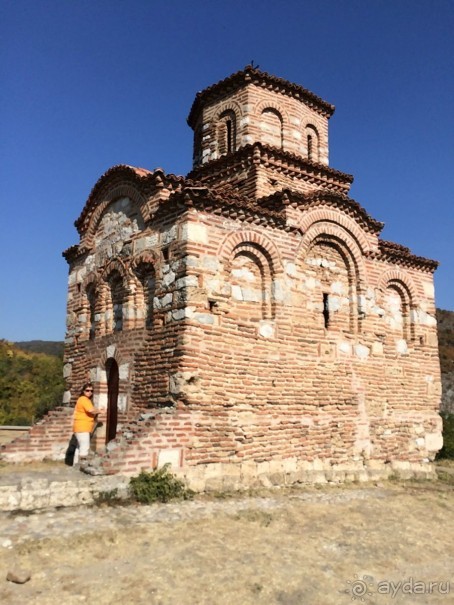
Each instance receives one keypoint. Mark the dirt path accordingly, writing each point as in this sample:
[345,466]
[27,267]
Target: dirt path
[297,547]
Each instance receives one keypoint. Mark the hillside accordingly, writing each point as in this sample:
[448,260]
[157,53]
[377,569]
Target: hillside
[446,345]
[49,347]
[30,384]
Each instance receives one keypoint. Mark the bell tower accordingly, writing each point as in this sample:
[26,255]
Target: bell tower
[255,131]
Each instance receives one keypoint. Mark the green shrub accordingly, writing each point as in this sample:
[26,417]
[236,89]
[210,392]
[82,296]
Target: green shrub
[158,486]
[447,451]
[109,498]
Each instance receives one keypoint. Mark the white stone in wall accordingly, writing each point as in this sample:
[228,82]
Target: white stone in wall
[128,313]
[429,290]
[122,402]
[279,291]
[337,287]
[178,314]
[246,139]
[169,235]
[102,401]
[206,137]
[244,273]
[168,279]
[169,456]
[266,329]
[90,262]
[237,293]
[110,351]
[401,346]
[377,348]
[244,121]
[362,303]
[290,269]
[252,295]
[345,348]
[213,285]
[431,321]
[361,351]
[67,370]
[66,396]
[187,282]
[434,441]
[208,262]
[72,277]
[296,135]
[310,283]
[204,318]
[81,274]
[334,303]
[123,371]
[195,232]
[192,261]
[152,240]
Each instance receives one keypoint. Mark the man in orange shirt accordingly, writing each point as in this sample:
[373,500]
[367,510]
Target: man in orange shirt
[84,420]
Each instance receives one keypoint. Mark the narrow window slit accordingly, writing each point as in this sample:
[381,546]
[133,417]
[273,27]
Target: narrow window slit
[326,309]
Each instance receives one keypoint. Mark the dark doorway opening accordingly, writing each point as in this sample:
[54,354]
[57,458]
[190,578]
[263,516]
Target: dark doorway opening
[112,398]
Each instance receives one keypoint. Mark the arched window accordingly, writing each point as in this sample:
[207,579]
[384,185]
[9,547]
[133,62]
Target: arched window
[90,293]
[272,127]
[147,277]
[312,143]
[310,149]
[117,297]
[397,311]
[226,132]
[334,286]
[251,282]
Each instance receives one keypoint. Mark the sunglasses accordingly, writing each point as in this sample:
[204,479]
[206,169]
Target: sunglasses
[89,390]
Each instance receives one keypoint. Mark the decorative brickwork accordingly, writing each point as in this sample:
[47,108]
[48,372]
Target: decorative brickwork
[246,323]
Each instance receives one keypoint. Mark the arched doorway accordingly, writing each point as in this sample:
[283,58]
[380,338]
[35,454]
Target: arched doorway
[112,398]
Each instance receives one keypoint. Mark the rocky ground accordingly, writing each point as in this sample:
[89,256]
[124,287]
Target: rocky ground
[314,546]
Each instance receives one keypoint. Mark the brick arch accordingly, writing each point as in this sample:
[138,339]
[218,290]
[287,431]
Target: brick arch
[330,232]
[261,260]
[400,280]
[235,238]
[115,265]
[124,190]
[269,104]
[141,297]
[229,106]
[322,213]
[311,130]
[115,354]
[347,246]
[147,256]
[92,278]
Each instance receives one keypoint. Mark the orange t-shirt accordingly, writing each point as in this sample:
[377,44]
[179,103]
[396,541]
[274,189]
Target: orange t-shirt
[83,423]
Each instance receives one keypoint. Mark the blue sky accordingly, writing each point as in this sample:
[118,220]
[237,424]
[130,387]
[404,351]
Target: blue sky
[88,84]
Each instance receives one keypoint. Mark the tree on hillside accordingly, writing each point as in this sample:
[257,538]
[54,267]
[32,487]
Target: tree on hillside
[30,384]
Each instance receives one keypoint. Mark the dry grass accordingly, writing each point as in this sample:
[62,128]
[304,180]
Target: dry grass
[295,547]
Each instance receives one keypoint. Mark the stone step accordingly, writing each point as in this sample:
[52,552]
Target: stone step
[60,487]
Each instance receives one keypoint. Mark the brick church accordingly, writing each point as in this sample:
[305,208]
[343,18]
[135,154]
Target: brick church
[246,323]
